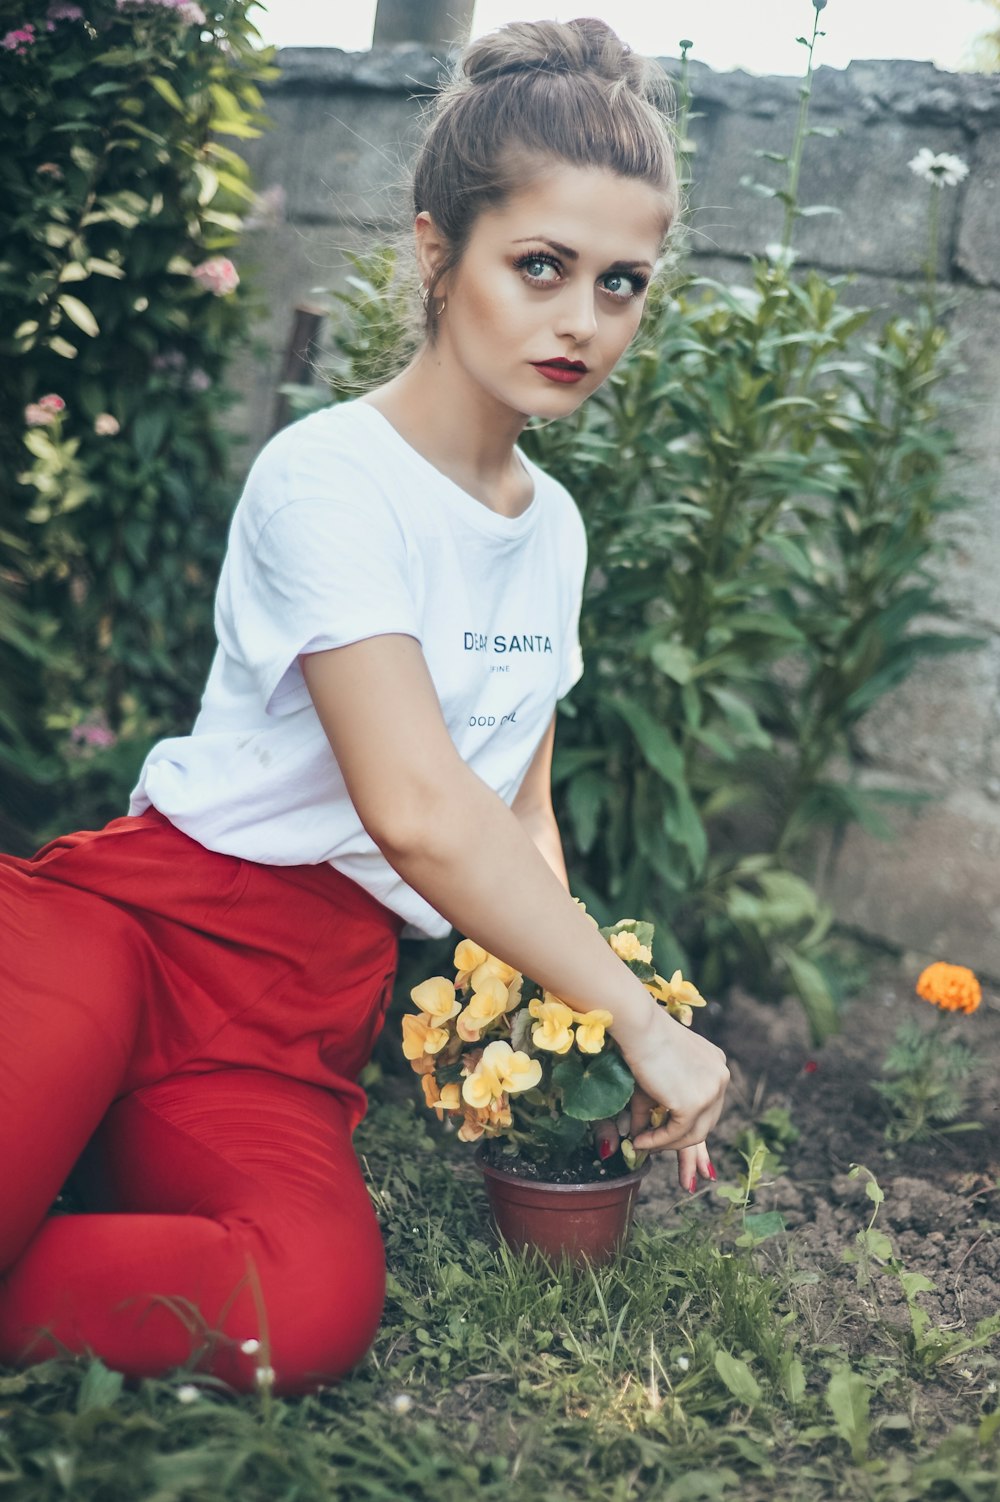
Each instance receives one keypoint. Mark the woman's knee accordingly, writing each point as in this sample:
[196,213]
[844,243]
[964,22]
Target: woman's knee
[323,1314]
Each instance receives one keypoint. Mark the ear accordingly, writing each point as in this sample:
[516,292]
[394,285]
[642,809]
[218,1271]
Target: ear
[431,245]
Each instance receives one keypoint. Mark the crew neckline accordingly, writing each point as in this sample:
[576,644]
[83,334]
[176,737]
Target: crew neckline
[473,509]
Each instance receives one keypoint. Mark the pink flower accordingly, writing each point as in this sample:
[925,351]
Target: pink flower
[19,40]
[50,169]
[106,425]
[61,10]
[199,380]
[217,275]
[94,732]
[191,13]
[43,413]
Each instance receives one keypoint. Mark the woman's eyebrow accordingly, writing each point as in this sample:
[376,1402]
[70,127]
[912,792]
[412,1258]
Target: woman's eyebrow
[573,255]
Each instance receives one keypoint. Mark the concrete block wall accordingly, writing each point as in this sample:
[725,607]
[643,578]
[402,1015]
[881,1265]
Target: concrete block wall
[345,126]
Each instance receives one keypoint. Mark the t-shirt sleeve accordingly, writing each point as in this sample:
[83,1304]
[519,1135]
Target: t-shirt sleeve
[572,654]
[320,573]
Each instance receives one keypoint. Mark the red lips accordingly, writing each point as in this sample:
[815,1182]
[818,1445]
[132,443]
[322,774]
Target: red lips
[561,369]
[562,361]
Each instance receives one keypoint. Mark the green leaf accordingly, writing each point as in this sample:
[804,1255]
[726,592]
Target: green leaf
[100,1388]
[738,1377]
[673,659]
[80,314]
[814,993]
[104,268]
[655,743]
[585,798]
[760,1226]
[169,93]
[794,1378]
[593,1085]
[848,1398]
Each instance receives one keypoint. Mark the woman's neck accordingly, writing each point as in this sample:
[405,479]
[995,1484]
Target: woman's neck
[459,428]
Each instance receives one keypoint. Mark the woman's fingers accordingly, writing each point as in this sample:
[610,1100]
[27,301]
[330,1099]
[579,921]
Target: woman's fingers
[606,1137]
[693,1163]
[679,1132]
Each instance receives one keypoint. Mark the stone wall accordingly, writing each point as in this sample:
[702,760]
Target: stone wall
[344,130]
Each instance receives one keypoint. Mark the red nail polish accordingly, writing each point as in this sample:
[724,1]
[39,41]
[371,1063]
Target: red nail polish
[711,1172]
[605,1149]
[693,1184]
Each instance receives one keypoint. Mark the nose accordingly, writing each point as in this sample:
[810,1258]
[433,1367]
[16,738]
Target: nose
[576,317]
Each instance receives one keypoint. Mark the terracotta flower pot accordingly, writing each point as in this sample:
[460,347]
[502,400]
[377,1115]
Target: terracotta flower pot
[584,1221]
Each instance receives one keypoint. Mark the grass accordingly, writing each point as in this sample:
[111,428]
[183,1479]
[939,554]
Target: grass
[689,1369]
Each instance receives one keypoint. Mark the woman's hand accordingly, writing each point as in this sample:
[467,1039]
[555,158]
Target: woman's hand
[691,1161]
[681,1071]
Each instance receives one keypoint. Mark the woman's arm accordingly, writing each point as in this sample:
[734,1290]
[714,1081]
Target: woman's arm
[455,841]
[533,807]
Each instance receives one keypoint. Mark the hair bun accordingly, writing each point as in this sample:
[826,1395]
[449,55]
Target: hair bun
[583,46]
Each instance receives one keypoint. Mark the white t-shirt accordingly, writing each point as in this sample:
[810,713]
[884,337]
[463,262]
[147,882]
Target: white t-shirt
[344,531]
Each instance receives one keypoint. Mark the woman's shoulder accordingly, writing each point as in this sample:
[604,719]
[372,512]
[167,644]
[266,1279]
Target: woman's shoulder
[326,457]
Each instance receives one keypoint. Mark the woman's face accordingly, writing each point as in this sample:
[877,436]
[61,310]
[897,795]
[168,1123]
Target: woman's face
[550,289]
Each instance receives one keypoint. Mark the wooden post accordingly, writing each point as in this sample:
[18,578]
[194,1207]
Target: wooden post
[297,364]
[433,22]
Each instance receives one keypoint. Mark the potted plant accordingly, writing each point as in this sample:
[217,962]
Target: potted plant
[526,1076]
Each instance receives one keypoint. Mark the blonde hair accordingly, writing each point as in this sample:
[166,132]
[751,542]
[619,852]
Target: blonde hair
[525,95]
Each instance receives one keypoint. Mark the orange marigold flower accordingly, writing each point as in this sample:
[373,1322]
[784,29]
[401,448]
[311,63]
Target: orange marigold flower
[953,988]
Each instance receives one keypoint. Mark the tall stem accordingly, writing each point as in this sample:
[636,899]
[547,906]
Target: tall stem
[805,93]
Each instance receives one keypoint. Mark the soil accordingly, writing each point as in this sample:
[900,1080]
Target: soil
[581,1167]
[942,1196]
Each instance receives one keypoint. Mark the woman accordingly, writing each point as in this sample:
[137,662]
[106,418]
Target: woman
[195,989]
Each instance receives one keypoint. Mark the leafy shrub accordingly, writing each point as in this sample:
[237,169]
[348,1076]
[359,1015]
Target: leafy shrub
[118,195]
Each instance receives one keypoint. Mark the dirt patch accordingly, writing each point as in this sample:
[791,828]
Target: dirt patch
[942,1197]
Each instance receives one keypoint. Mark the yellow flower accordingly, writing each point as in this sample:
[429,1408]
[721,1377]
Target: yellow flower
[590,1030]
[468,955]
[514,993]
[627,947]
[953,988]
[472,1127]
[554,1032]
[431,1089]
[436,997]
[441,1100]
[491,966]
[480,1086]
[676,989]
[517,1070]
[484,1007]
[420,1036]
[500,1068]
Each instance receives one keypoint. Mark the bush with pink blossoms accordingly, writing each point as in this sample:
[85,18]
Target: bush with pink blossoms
[121,198]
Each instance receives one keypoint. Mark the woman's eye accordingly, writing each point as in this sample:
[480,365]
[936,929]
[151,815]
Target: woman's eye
[623,285]
[539,269]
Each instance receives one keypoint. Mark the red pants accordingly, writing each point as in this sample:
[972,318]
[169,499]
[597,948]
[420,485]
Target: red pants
[200,1021]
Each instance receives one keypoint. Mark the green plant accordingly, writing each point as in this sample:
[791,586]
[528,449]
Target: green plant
[774,1130]
[930,1069]
[505,1058]
[119,199]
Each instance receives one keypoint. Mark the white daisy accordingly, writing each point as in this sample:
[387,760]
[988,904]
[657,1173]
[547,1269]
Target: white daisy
[944,169]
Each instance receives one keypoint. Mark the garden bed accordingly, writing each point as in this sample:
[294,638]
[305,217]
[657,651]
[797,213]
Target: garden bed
[942,1197]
